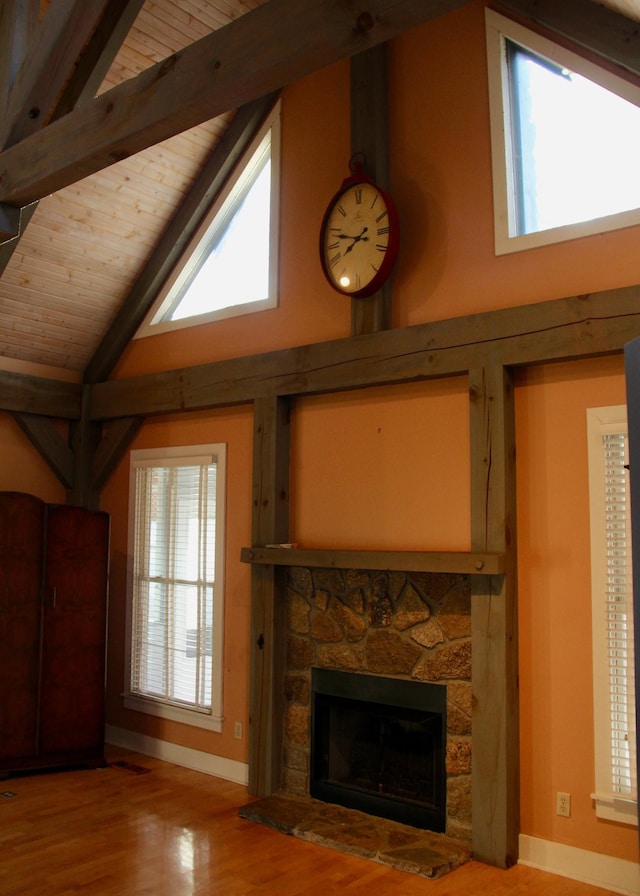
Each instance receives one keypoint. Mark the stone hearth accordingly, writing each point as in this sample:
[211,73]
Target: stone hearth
[415,626]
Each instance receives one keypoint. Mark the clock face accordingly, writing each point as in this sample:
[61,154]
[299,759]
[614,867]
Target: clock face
[358,239]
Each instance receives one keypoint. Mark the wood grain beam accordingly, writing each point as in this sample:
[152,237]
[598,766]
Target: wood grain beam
[270,522]
[370,137]
[38,395]
[177,235]
[63,34]
[564,329]
[94,60]
[18,24]
[258,53]
[83,78]
[586,24]
[494,628]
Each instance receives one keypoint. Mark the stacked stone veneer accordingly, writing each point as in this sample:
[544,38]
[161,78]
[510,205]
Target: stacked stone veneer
[404,625]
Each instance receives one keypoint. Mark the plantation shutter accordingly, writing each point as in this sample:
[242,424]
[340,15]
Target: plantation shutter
[173,582]
[619,616]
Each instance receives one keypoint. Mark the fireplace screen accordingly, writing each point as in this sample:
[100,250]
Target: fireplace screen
[378,746]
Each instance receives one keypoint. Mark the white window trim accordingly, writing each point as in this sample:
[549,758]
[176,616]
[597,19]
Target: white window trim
[499,28]
[212,721]
[153,323]
[608,806]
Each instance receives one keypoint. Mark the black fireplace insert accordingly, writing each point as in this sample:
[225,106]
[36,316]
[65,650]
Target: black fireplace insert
[378,744]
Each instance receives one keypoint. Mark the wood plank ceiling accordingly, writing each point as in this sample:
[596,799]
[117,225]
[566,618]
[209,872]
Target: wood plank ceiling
[86,245]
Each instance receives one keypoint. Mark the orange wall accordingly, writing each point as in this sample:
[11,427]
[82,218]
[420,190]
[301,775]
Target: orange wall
[554,600]
[235,428]
[22,468]
[380,469]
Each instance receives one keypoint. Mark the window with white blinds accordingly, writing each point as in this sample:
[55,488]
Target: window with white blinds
[175,607]
[612,614]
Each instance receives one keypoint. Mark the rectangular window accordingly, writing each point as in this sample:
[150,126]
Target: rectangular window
[176,541]
[612,614]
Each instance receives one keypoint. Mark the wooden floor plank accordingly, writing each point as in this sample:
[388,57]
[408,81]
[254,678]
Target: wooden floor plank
[176,832]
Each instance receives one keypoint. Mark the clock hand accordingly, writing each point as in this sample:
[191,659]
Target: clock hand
[356,239]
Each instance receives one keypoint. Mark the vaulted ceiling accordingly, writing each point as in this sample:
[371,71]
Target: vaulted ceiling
[109,140]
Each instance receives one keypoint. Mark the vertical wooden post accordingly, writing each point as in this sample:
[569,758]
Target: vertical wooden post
[270,524]
[495,768]
[84,437]
[369,135]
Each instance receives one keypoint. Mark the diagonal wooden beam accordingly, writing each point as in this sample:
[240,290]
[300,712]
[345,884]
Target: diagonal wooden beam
[94,61]
[258,53]
[79,81]
[18,24]
[590,25]
[63,34]
[177,235]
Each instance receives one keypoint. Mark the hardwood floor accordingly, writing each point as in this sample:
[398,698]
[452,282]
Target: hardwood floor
[176,832]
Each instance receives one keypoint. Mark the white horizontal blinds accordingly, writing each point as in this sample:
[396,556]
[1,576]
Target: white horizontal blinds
[173,587]
[619,611]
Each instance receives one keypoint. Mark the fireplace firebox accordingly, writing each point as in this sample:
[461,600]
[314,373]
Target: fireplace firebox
[378,744]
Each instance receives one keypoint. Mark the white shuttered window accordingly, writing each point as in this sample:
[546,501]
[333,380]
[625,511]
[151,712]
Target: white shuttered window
[176,583]
[612,613]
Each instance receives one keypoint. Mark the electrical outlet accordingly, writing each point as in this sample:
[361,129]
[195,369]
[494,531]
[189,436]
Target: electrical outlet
[238,730]
[563,804]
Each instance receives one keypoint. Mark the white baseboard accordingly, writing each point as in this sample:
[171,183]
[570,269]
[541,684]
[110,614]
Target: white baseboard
[618,875]
[218,766]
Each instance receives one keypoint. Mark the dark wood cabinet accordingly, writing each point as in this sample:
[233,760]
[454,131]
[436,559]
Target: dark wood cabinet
[53,610]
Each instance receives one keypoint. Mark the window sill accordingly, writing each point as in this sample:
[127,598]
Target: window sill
[174,713]
[614,808]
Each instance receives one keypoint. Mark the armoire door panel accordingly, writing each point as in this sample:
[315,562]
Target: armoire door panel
[73,653]
[21,557]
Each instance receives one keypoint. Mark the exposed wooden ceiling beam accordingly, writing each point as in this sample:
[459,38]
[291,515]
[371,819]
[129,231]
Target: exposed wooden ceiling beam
[79,72]
[258,53]
[177,235]
[18,24]
[589,25]
[62,36]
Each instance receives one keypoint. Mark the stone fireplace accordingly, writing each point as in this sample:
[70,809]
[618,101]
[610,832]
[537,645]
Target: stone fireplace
[412,627]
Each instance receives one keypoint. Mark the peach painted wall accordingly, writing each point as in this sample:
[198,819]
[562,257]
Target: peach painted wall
[554,600]
[235,428]
[22,468]
[351,469]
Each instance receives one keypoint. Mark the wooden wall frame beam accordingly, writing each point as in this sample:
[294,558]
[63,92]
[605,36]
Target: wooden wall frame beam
[23,393]
[270,523]
[494,628]
[564,329]
[370,137]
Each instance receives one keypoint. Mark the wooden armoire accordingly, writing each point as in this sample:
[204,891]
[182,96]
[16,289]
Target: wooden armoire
[53,609]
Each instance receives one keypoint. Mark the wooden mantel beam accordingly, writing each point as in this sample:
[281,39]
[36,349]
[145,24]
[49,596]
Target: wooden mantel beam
[260,52]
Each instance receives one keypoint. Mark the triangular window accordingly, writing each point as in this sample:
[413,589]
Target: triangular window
[230,266]
[565,137]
